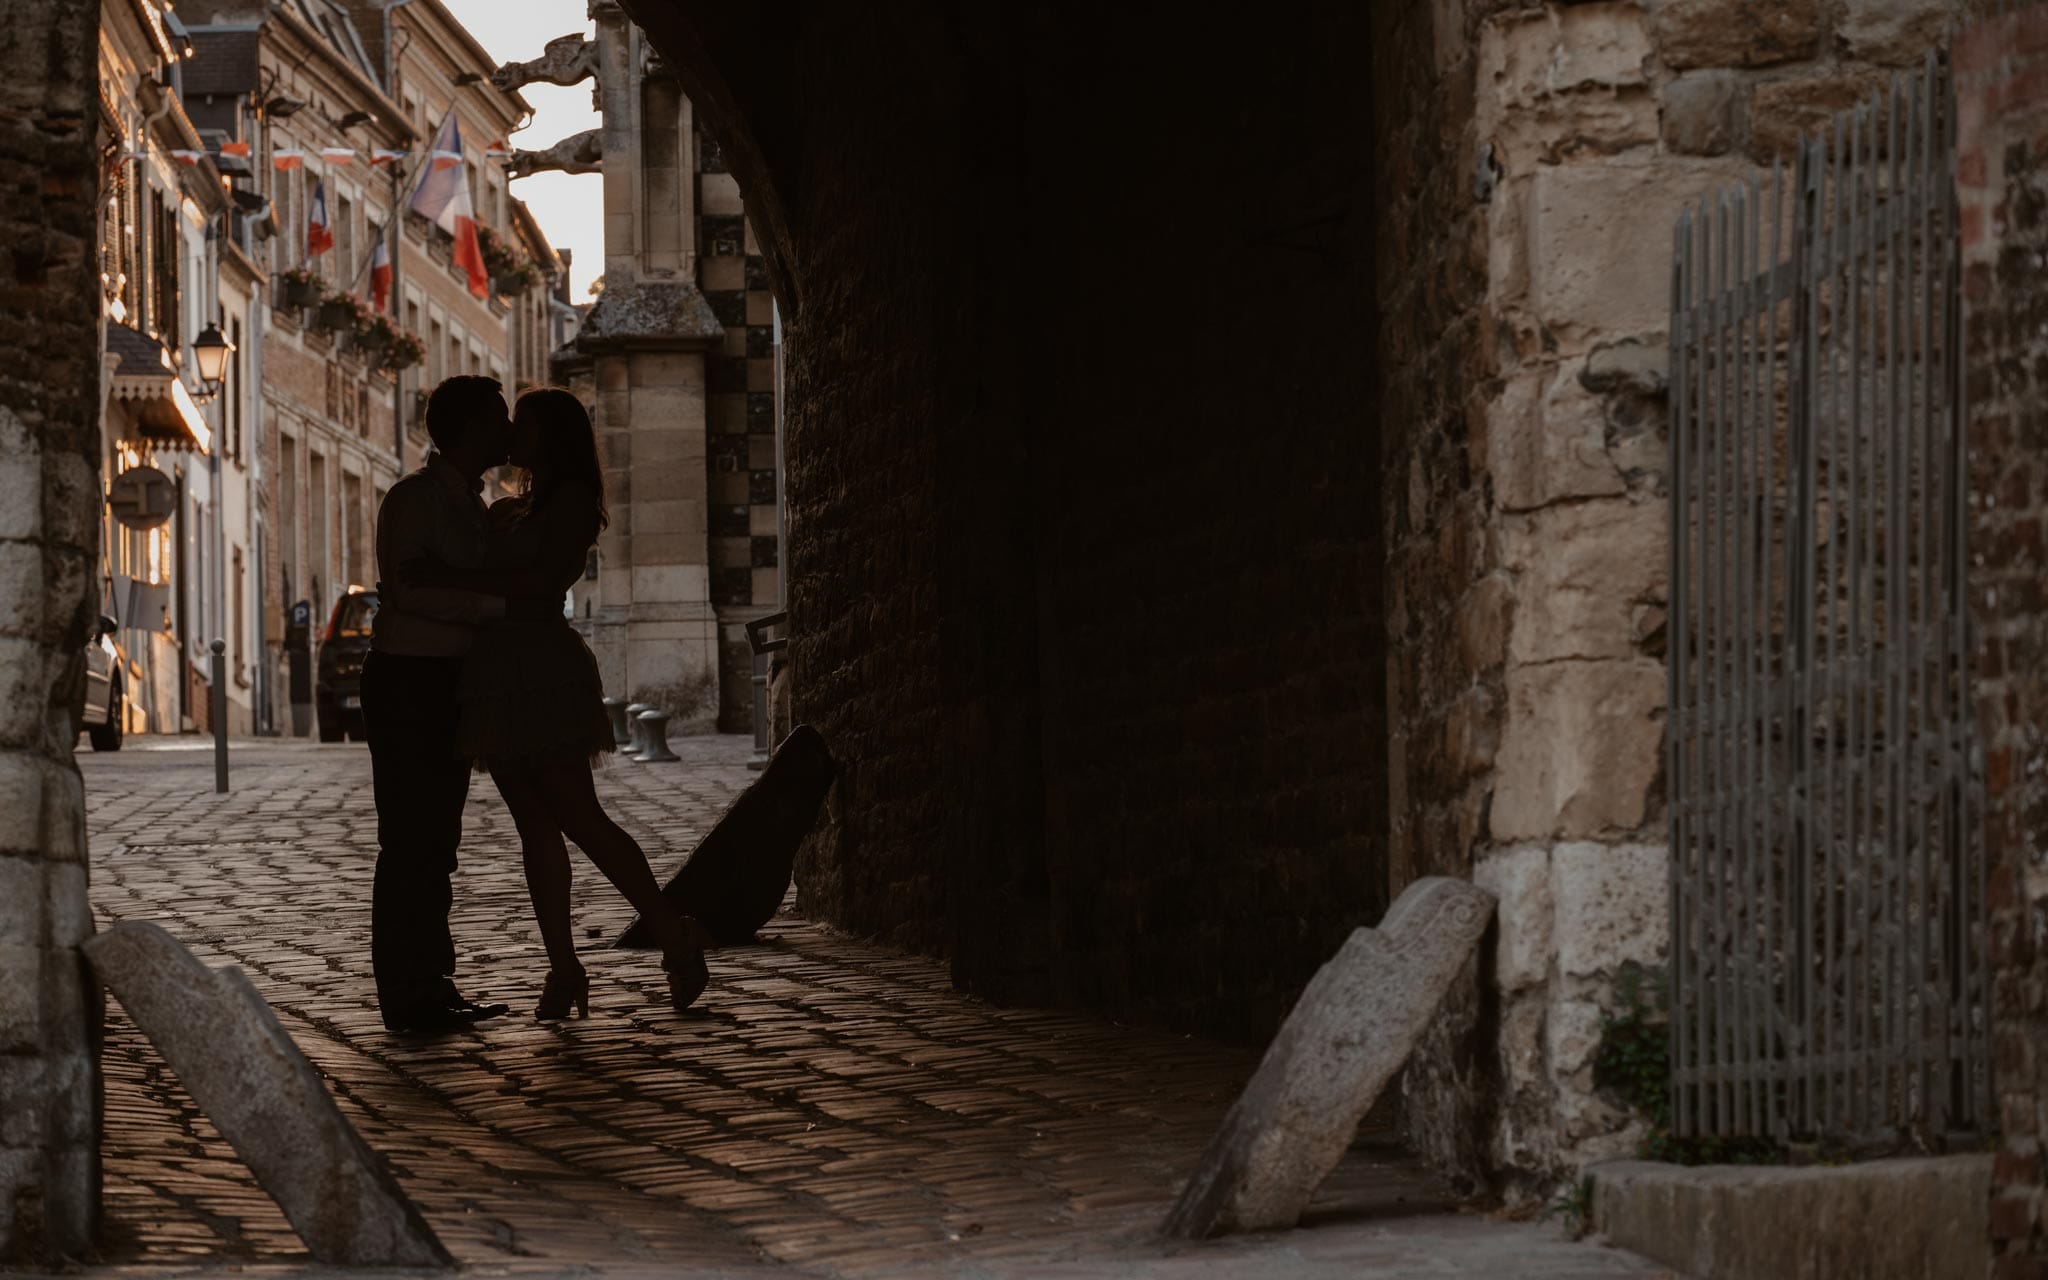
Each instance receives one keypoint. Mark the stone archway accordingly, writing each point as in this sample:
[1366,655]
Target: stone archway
[1083,482]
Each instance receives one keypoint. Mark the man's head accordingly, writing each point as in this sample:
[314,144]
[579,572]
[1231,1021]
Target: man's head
[467,421]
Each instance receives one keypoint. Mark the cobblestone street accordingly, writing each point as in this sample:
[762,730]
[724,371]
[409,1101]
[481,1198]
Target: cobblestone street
[831,1107]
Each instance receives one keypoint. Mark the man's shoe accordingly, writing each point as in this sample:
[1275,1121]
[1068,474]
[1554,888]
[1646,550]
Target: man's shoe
[466,1011]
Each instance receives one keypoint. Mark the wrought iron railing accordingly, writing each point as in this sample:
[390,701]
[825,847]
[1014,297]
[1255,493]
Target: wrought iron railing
[1828,879]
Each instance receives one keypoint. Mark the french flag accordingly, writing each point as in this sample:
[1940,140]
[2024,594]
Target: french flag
[380,275]
[442,198]
[319,233]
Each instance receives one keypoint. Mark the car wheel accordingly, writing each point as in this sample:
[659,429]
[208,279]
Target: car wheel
[107,737]
[352,721]
[331,727]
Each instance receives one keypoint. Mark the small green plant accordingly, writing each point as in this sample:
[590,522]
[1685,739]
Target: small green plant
[1573,1208]
[1633,1064]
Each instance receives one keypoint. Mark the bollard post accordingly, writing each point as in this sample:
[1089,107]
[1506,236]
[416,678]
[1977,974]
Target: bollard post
[220,715]
[616,709]
[654,738]
[635,736]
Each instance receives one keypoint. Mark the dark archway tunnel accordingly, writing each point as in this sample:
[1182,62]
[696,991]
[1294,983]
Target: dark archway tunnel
[1083,480]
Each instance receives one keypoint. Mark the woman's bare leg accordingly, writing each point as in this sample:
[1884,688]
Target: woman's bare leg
[546,860]
[572,802]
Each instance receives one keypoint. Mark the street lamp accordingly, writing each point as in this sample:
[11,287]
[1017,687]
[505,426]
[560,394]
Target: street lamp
[210,351]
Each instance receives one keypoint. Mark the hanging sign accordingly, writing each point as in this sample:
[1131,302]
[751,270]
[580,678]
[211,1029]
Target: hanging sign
[142,498]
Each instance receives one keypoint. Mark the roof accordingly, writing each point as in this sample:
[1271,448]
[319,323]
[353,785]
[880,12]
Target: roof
[141,355]
[225,60]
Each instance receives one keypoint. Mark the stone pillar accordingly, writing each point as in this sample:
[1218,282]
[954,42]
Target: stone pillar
[1536,157]
[2001,66]
[652,622]
[49,536]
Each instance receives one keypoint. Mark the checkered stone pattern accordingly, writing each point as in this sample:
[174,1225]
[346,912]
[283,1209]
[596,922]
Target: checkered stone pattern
[832,1106]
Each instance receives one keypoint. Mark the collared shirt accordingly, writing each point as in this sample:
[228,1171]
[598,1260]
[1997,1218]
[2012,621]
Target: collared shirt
[435,511]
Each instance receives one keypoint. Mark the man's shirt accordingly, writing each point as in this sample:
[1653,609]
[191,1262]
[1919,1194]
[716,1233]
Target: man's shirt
[435,512]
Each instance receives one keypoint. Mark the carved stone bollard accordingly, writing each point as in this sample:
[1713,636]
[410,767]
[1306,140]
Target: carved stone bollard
[634,742]
[1352,1029]
[654,738]
[616,709]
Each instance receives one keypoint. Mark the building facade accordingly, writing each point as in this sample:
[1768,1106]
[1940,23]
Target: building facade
[176,255]
[328,116]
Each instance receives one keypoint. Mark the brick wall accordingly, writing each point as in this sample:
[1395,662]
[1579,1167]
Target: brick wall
[49,539]
[1082,482]
[2001,70]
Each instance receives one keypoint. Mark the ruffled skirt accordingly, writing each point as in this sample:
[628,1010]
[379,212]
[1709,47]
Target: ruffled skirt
[530,694]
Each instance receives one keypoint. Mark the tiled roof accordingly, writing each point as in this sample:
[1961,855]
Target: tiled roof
[141,355]
[222,62]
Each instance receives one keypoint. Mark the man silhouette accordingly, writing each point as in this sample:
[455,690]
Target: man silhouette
[409,709]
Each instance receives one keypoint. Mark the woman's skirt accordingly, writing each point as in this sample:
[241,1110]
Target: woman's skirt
[530,696]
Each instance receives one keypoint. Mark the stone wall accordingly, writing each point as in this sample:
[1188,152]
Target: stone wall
[1541,153]
[49,534]
[2001,70]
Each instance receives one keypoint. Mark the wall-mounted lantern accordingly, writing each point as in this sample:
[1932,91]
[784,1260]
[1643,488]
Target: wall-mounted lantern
[210,352]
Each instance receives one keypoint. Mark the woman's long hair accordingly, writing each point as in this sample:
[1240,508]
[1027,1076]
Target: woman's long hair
[568,447]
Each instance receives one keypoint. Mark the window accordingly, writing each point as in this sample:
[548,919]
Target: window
[344,212]
[288,509]
[235,391]
[239,636]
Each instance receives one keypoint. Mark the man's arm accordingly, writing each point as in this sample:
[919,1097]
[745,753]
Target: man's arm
[405,529]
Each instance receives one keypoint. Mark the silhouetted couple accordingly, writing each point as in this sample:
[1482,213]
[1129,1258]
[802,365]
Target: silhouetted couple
[472,661]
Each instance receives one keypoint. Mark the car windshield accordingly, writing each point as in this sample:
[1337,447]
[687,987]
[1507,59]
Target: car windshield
[353,615]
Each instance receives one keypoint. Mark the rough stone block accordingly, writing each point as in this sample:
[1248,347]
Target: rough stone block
[1546,440]
[1783,111]
[1703,113]
[1892,32]
[243,1070]
[1599,244]
[736,879]
[1580,570]
[1911,1219]
[1735,33]
[21,901]
[1613,905]
[1519,880]
[1351,1030]
[1581,748]
[21,588]
[21,478]
[21,997]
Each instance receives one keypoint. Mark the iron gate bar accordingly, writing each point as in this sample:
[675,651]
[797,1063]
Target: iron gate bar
[1827,878]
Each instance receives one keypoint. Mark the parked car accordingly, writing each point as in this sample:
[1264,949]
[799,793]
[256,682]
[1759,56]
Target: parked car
[103,712]
[338,680]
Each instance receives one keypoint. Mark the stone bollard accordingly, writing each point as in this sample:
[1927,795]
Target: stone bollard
[634,741]
[616,709]
[654,738]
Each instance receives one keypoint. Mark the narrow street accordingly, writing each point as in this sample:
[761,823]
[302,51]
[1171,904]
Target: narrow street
[832,1107]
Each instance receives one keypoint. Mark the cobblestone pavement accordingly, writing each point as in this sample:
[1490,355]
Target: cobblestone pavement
[831,1108]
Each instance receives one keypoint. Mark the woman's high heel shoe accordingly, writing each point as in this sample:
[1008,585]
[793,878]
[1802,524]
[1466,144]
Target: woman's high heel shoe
[688,975]
[560,993]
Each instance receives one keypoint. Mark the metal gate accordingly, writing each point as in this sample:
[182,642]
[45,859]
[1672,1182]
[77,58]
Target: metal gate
[1828,877]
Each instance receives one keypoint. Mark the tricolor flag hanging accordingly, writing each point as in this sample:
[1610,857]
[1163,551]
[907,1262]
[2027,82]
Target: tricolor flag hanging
[499,150]
[319,233]
[187,158]
[381,157]
[287,158]
[338,155]
[442,198]
[380,274]
[235,149]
